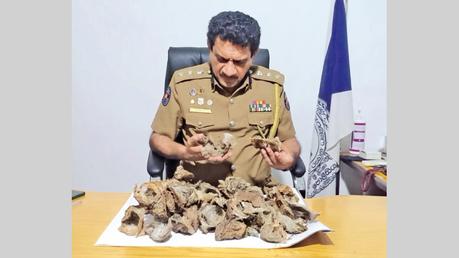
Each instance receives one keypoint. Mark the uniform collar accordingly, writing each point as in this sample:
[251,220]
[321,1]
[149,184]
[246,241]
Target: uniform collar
[245,85]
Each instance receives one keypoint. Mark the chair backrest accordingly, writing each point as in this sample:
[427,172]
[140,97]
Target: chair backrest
[181,57]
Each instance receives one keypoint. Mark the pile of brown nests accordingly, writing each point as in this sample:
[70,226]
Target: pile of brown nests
[232,210]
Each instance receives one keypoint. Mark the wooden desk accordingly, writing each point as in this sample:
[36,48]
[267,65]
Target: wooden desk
[359,224]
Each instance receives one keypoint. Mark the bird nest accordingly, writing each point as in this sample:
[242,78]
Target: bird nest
[232,210]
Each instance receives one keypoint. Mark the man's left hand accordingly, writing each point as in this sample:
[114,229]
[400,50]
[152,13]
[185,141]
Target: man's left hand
[281,160]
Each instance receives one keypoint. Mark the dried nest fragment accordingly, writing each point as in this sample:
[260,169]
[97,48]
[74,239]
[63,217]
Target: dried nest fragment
[132,222]
[220,201]
[273,232]
[207,193]
[292,226]
[245,206]
[148,193]
[153,196]
[301,211]
[253,197]
[275,144]
[232,210]
[230,229]
[210,216]
[251,231]
[183,175]
[170,202]
[288,194]
[214,148]
[278,200]
[231,185]
[188,223]
[184,194]
[158,229]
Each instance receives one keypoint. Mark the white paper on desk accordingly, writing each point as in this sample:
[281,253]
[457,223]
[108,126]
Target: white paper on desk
[113,237]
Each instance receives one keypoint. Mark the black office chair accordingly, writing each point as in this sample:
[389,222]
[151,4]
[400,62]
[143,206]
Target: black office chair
[181,57]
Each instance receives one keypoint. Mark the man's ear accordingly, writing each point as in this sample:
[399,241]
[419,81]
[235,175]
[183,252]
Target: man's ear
[256,51]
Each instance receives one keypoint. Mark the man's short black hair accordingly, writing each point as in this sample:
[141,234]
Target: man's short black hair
[236,27]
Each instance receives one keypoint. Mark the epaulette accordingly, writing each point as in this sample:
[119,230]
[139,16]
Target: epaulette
[265,74]
[192,73]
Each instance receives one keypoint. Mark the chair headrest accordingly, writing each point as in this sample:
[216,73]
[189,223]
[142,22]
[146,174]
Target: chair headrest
[181,57]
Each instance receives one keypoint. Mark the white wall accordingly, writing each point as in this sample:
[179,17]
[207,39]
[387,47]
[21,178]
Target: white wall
[119,60]
[367,56]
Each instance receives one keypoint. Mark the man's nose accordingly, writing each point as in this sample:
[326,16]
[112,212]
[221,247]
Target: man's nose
[229,69]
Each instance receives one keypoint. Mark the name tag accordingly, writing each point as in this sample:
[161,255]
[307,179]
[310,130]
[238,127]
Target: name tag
[200,110]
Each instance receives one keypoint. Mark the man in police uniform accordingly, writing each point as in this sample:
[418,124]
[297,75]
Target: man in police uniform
[227,94]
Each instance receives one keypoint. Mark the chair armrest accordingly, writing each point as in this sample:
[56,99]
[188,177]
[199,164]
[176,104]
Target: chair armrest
[298,169]
[155,164]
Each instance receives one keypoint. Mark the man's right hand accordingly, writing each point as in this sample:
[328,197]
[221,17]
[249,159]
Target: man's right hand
[193,151]
[194,147]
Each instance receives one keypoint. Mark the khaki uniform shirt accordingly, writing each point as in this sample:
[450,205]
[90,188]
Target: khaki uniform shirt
[196,103]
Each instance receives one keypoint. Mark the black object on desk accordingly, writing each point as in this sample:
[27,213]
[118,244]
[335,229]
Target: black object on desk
[76,194]
[351,158]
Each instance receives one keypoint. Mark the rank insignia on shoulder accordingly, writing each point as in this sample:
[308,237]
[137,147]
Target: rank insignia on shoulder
[259,106]
[167,96]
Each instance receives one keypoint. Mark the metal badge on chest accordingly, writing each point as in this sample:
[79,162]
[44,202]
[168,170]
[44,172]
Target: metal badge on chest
[200,103]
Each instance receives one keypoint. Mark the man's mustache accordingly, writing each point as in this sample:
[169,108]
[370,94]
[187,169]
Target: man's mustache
[228,78]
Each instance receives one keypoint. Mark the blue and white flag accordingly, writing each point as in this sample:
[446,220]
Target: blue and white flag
[334,114]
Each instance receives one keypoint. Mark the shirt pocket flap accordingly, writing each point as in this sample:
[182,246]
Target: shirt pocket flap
[199,121]
[260,118]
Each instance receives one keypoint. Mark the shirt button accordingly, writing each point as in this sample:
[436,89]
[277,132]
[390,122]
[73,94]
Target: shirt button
[231,100]
[200,123]
[233,167]
[232,123]
[261,122]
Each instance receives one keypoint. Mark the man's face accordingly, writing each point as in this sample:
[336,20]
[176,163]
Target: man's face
[229,62]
